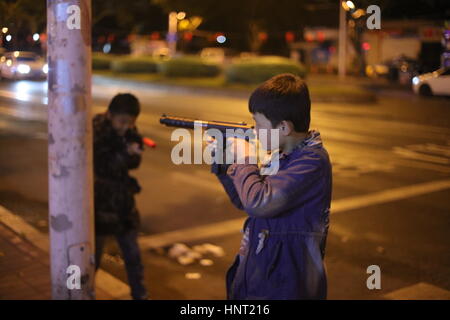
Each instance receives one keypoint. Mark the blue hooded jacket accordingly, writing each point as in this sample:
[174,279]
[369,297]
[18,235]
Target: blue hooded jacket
[283,247]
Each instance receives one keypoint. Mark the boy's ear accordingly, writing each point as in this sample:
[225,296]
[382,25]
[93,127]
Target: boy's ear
[286,127]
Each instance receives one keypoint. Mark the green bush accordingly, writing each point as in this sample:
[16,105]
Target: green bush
[134,65]
[101,61]
[189,67]
[259,69]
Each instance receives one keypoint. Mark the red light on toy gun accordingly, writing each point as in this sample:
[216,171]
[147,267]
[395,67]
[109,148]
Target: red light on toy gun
[149,142]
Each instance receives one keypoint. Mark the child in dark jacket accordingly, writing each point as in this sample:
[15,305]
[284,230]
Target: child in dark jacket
[117,149]
[283,246]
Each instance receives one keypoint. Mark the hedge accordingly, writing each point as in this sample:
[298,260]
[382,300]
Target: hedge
[189,66]
[101,61]
[259,69]
[135,65]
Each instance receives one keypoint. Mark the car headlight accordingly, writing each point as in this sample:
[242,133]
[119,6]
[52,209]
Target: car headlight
[415,81]
[23,68]
[45,68]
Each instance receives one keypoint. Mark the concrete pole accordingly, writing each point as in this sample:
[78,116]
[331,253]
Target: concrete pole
[342,41]
[70,150]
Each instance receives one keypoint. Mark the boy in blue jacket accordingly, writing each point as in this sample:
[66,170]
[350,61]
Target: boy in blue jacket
[283,246]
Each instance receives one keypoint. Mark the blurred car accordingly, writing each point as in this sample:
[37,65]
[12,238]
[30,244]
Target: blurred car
[401,69]
[433,83]
[377,70]
[161,53]
[22,65]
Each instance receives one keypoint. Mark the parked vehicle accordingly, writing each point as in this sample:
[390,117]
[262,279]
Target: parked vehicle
[401,69]
[22,65]
[433,83]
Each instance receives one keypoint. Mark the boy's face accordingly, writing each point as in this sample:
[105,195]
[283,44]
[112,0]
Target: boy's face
[262,123]
[121,122]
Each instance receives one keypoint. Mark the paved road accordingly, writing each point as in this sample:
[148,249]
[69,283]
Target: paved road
[390,198]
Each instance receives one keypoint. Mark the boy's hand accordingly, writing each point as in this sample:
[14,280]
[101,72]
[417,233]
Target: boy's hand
[237,150]
[240,151]
[134,148]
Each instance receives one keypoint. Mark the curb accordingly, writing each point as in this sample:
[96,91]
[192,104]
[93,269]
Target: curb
[104,281]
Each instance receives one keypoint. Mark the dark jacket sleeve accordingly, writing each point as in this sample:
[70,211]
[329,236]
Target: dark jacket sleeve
[269,196]
[228,185]
[134,161]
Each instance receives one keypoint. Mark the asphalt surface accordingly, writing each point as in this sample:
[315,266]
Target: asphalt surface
[391,162]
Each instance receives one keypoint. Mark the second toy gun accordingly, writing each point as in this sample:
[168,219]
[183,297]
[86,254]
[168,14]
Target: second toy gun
[225,127]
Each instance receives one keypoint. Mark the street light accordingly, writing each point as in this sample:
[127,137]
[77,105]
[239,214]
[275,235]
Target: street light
[342,60]
[351,5]
[5,29]
[358,13]
[172,32]
[173,29]
[345,6]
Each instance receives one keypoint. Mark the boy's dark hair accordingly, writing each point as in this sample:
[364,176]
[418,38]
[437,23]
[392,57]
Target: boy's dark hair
[283,97]
[125,103]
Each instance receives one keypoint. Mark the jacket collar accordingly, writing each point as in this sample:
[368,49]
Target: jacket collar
[313,139]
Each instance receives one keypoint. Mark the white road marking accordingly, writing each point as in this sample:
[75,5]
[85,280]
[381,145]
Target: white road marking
[404,152]
[234,226]
[390,195]
[432,148]
[419,291]
[24,114]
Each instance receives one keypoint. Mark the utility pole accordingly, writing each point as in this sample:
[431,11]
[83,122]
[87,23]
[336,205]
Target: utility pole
[342,41]
[70,150]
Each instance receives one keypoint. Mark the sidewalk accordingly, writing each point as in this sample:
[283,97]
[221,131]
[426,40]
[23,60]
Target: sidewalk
[25,269]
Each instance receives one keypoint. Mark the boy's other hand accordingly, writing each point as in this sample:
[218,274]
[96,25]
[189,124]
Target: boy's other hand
[134,148]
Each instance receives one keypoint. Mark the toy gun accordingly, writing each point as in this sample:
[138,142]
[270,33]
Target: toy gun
[187,123]
[149,142]
[222,126]
[132,136]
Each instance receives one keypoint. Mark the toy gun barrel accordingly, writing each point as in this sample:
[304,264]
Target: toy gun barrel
[188,123]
